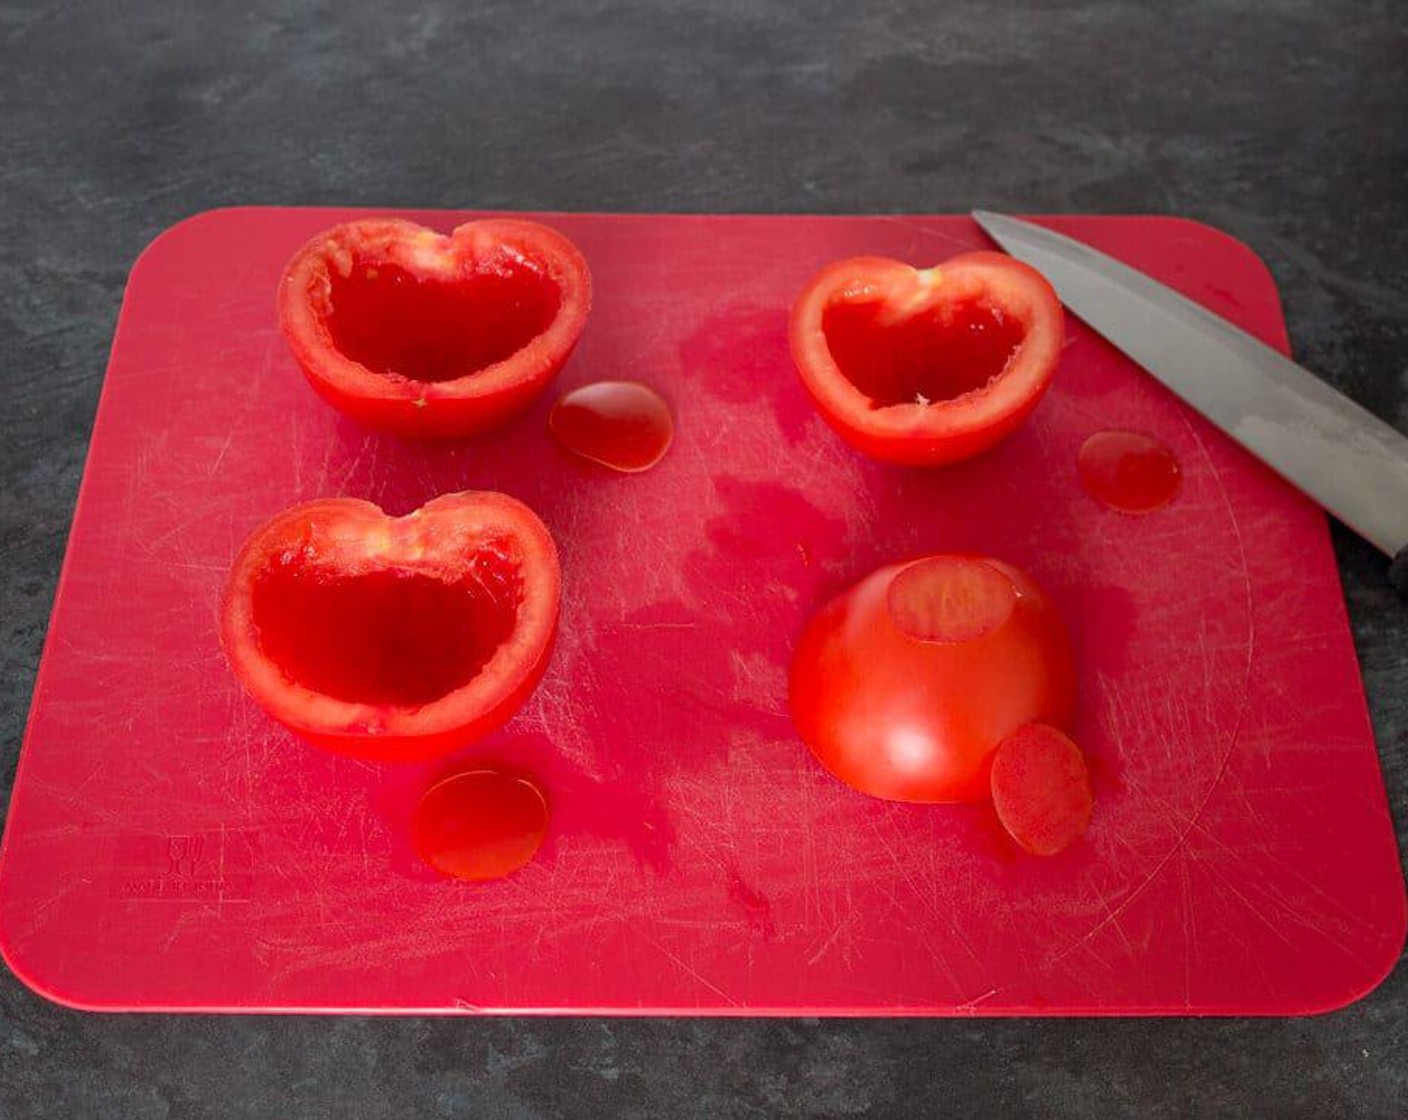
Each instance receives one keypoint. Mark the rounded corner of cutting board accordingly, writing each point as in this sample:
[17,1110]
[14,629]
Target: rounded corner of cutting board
[1230,244]
[34,973]
[1202,230]
[1366,979]
[1212,245]
[192,225]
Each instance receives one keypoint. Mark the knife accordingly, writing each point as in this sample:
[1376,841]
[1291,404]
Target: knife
[1333,450]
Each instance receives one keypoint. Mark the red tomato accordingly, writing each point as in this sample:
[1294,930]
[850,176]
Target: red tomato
[425,335]
[619,424]
[479,825]
[904,685]
[1127,471]
[393,637]
[1041,789]
[926,366]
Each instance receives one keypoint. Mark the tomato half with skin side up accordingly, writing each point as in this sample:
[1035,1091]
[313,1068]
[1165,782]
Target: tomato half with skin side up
[393,638]
[927,366]
[433,336]
[904,685]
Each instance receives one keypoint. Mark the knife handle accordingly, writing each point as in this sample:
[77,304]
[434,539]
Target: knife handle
[1398,572]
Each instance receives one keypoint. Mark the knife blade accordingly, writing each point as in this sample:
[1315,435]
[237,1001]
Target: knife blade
[1332,449]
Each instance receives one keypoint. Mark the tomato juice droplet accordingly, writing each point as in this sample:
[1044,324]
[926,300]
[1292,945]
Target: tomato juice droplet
[1127,471]
[620,424]
[949,599]
[480,824]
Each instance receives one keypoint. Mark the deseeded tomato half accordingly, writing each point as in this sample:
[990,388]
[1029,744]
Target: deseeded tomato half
[393,637]
[904,685]
[927,366]
[421,334]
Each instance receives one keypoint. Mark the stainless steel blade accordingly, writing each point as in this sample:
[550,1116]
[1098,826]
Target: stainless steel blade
[1337,452]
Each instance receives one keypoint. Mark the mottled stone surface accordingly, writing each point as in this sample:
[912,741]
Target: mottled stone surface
[1285,123]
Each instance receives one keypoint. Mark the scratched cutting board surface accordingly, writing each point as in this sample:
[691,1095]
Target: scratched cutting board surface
[169,847]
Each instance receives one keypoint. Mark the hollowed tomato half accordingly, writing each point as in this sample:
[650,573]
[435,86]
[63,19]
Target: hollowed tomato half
[422,334]
[926,366]
[904,686]
[393,637]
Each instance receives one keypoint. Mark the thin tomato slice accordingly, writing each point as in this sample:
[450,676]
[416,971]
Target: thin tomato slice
[1041,789]
[480,825]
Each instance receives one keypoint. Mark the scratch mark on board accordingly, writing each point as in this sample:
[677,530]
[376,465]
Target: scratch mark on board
[1182,839]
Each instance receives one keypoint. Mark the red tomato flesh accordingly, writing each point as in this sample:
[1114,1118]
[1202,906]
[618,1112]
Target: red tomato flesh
[927,366]
[1127,471]
[480,825]
[435,336]
[619,424]
[904,685]
[393,638]
[428,329]
[383,637]
[944,354]
[1041,789]
[950,599]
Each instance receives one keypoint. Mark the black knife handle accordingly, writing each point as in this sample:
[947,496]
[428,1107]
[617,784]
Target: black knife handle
[1398,572]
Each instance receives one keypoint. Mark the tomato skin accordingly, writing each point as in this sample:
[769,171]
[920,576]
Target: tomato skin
[911,720]
[345,539]
[944,430]
[450,407]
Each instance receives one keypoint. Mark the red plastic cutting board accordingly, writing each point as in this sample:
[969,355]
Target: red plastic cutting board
[169,847]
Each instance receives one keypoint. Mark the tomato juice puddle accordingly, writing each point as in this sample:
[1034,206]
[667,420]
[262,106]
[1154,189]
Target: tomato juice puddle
[619,424]
[1127,471]
[480,825]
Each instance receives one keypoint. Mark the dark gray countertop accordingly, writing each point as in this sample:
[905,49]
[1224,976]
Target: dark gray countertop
[1285,124]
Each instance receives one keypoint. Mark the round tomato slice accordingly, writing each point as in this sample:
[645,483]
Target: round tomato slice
[421,334]
[393,637]
[480,825]
[926,366]
[1041,789]
[904,685]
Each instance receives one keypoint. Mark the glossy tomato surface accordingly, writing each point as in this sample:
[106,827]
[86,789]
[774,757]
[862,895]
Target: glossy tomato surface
[904,685]
[480,824]
[393,637]
[926,366]
[434,336]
